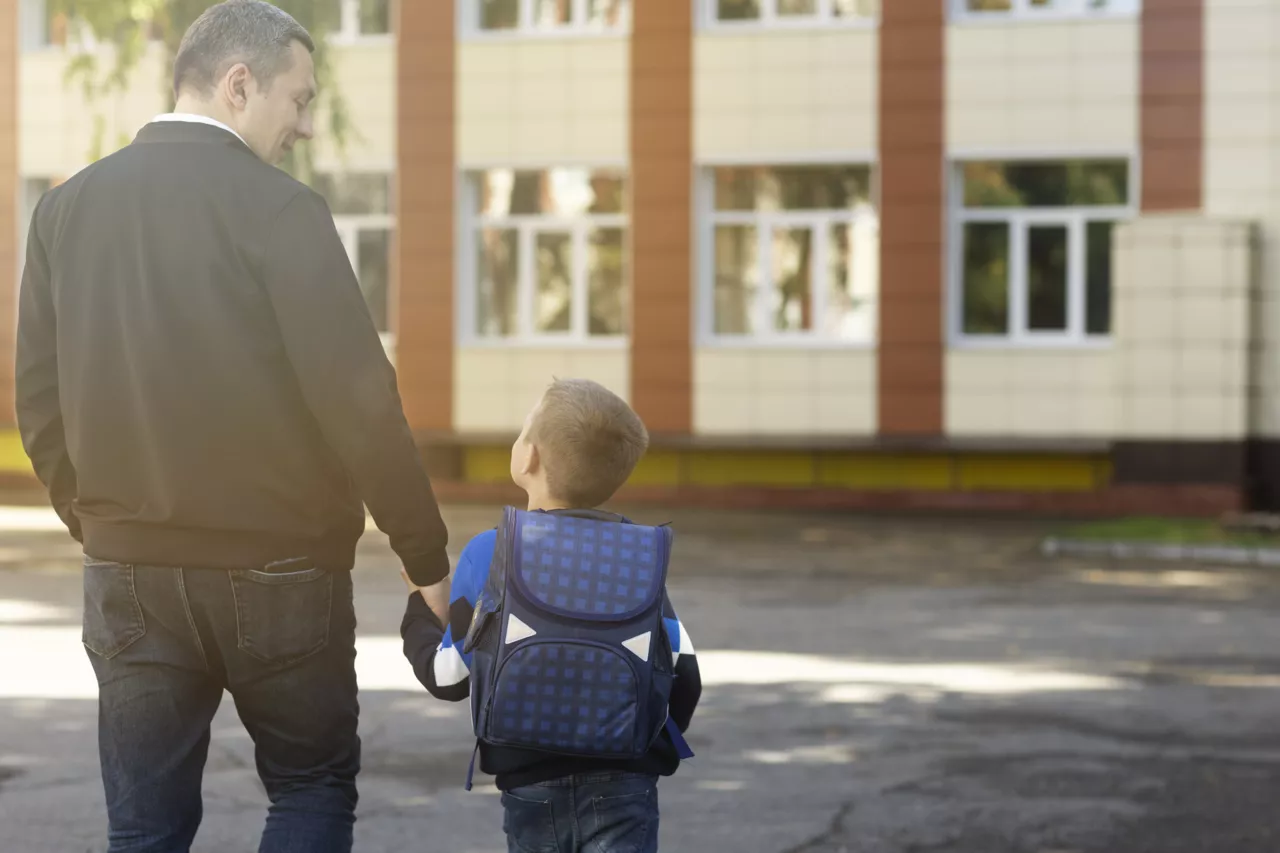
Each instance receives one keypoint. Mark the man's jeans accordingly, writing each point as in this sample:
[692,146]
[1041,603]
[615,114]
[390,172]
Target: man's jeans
[590,813]
[166,642]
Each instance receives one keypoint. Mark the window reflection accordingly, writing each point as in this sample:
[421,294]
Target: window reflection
[560,267]
[736,279]
[564,192]
[606,282]
[496,275]
[792,187]
[498,14]
[553,306]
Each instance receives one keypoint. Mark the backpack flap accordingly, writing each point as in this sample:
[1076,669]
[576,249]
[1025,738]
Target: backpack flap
[588,569]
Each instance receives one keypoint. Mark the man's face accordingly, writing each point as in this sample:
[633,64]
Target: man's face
[277,116]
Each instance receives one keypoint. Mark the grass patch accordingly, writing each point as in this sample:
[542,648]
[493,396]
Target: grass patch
[1169,531]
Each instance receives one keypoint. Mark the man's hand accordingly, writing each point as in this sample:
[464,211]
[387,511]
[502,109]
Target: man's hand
[436,596]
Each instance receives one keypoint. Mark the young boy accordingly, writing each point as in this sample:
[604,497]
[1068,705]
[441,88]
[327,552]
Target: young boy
[578,446]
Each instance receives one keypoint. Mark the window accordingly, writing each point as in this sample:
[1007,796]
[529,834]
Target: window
[40,26]
[546,255]
[547,17]
[359,19]
[793,254]
[1032,246]
[781,13]
[361,207]
[1031,9]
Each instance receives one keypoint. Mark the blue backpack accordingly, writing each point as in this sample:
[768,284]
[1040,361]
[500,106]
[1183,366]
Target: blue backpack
[570,656]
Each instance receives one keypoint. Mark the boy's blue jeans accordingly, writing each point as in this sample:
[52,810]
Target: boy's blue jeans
[589,813]
[165,643]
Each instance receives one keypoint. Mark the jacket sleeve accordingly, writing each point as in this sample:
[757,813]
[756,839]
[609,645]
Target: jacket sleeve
[686,690]
[39,409]
[348,383]
[435,651]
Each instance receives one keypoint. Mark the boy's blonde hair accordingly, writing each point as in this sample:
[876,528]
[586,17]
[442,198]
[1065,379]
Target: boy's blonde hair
[589,440]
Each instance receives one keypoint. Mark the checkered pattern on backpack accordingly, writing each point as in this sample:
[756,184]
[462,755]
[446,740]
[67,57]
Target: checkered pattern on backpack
[588,567]
[563,697]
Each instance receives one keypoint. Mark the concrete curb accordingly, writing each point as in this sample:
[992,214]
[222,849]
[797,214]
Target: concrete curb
[1235,555]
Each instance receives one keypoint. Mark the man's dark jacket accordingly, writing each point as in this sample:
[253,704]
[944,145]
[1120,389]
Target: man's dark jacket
[199,382]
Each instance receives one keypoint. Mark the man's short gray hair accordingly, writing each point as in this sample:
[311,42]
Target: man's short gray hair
[250,31]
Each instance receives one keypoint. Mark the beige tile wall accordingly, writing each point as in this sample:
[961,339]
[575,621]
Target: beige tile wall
[543,101]
[55,123]
[1043,86]
[1183,298]
[768,391]
[1242,166]
[494,388]
[1031,394]
[366,75]
[784,94]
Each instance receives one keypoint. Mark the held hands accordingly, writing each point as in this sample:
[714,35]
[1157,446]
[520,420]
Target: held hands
[436,596]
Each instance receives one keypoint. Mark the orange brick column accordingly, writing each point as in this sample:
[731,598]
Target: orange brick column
[422,269]
[1172,116]
[661,186]
[912,212]
[8,203]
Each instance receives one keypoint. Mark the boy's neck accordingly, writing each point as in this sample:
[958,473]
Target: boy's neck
[540,501]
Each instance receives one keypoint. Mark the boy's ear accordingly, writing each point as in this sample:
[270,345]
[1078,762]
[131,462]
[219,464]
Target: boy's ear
[532,460]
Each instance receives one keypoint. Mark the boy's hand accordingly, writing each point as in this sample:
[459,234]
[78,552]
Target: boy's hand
[436,596]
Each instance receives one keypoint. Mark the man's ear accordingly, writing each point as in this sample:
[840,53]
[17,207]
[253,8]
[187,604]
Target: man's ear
[236,85]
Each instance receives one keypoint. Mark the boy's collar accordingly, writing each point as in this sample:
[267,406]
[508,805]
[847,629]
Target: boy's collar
[590,514]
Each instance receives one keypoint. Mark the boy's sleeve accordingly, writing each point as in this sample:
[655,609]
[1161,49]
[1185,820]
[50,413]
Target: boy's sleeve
[687,688]
[436,651]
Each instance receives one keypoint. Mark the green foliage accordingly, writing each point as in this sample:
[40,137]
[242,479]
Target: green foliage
[1169,531]
[128,26]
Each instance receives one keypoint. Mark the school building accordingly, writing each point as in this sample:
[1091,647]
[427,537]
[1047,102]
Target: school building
[977,254]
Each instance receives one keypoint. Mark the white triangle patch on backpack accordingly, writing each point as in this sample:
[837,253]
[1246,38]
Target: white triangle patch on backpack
[639,646]
[517,630]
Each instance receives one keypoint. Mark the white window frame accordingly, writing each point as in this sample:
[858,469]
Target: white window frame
[469,24]
[770,19]
[348,31]
[1019,219]
[1024,10]
[764,223]
[349,227]
[527,226]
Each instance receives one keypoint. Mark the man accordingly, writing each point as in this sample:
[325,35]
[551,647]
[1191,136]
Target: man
[202,390]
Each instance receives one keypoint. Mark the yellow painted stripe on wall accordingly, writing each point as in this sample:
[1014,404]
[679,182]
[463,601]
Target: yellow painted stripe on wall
[867,471]
[13,459]
[750,469]
[486,465]
[873,471]
[1028,473]
[657,469]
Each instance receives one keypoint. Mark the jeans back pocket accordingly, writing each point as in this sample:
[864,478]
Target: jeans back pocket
[530,824]
[282,618]
[112,615]
[627,821]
